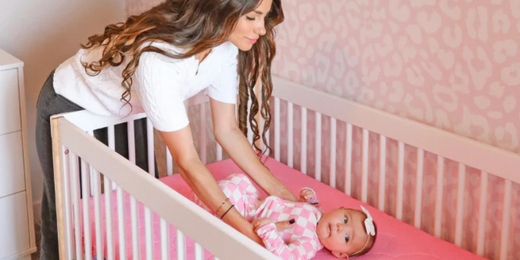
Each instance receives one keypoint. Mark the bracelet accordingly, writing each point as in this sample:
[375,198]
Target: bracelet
[222,204]
[232,205]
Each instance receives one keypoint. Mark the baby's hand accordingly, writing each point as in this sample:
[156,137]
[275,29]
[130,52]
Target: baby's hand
[306,195]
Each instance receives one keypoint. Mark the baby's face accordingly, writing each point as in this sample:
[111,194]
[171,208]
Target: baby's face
[342,231]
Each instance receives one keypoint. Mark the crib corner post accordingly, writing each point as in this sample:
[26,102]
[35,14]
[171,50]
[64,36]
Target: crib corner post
[58,185]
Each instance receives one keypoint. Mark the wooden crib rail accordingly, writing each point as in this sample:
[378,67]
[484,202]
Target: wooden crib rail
[485,157]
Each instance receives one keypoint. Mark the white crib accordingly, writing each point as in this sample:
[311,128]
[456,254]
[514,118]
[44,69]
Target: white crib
[73,138]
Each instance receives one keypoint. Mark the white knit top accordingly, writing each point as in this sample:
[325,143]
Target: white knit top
[160,84]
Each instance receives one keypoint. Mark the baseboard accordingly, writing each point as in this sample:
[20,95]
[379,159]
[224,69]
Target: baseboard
[37,211]
[25,255]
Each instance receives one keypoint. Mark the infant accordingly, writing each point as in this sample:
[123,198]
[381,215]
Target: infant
[344,232]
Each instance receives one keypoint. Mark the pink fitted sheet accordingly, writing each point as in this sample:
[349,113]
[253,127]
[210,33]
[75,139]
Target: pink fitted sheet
[395,240]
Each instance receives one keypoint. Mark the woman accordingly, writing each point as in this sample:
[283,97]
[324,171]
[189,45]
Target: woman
[155,61]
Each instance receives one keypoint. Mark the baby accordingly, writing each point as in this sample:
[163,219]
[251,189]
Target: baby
[344,232]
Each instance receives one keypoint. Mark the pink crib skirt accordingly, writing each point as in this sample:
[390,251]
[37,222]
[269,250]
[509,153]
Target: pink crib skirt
[395,239]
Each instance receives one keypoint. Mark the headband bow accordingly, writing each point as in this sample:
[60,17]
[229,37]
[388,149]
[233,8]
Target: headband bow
[369,223]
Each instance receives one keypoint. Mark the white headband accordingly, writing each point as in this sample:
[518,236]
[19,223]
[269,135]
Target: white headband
[369,223]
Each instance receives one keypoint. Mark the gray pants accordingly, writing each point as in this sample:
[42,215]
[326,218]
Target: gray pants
[49,103]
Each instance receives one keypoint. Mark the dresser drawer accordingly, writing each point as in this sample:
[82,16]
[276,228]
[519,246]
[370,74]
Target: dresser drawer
[14,227]
[9,101]
[12,176]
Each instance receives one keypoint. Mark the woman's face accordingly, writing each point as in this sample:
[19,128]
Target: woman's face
[250,27]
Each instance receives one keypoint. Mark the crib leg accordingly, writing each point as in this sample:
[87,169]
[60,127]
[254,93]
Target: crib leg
[58,172]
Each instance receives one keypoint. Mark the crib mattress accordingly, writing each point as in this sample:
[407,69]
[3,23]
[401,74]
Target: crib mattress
[395,240]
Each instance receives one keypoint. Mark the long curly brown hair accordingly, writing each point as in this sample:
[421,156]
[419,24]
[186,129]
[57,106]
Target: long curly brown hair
[197,25]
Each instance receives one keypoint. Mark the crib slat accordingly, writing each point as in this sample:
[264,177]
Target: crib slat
[85,183]
[108,219]
[91,133]
[136,245]
[109,186]
[290,119]
[111,137]
[121,223]
[69,238]
[348,159]
[181,249]
[75,190]
[97,211]
[438,199]
[169,162]
[460,204]
[134,218]
[219,152]
[418,188]
[148,229]
[131,141]
[317,170]
[364,170]
[165,240]
[332,174]
[400,181]
[150,147]
[506,217]
[482,212]
[112,144]
[277,128]
[382,171]
[203,155]
[199,254]
[304,141]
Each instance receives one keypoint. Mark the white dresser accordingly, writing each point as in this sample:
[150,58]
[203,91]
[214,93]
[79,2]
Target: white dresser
[16,214]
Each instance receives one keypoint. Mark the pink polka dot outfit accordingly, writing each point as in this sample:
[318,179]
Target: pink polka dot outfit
[299,242]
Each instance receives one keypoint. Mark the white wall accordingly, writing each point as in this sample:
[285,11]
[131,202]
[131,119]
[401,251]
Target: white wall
[43,34]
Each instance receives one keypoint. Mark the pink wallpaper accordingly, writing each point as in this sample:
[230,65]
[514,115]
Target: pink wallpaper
[452,64]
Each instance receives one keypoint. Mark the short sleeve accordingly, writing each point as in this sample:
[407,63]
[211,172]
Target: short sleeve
[224,87]
[158,91]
